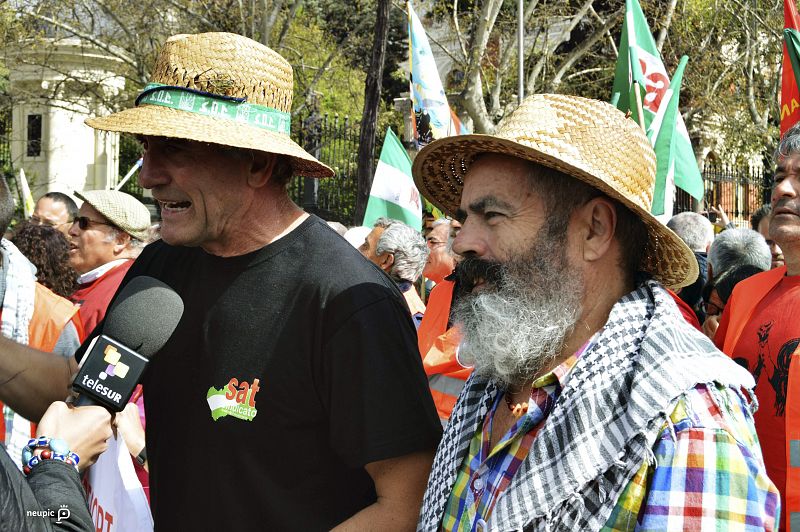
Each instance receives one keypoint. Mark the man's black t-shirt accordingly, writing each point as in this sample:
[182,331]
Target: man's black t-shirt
[292,367]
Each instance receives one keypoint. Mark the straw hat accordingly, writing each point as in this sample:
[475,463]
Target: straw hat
[220,88]
[122,210]
[587,139]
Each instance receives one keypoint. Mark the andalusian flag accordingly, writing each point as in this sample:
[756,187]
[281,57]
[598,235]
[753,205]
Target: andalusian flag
[664,126]
[639,61]
[790,94]
[433,117]
[28,204]
[393,193]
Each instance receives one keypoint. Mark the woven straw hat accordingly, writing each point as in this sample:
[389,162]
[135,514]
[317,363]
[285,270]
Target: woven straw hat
[587,139]
[220,88]
[122,210]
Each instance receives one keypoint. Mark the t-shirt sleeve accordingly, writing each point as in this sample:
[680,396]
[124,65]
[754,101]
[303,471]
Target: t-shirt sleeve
[375,389]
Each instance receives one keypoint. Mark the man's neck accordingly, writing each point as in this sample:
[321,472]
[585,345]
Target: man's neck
[791,258]
[256,230]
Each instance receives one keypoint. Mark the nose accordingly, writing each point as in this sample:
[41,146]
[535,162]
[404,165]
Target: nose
[470,240]
[152,173]
[73,229]
[785,188]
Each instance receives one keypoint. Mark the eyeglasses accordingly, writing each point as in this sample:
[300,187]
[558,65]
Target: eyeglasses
[84,221]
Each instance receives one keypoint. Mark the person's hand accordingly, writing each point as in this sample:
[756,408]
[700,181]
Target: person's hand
[722,220]
[129,425]
[710,326]
[85,429]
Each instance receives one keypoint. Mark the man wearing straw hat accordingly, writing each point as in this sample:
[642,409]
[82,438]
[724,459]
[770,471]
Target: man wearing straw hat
[291,396]
[592,403]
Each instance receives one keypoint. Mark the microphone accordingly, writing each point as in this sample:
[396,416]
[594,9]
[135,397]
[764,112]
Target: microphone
[138,324]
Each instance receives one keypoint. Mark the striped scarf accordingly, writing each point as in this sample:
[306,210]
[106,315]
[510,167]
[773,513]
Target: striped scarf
[603,425]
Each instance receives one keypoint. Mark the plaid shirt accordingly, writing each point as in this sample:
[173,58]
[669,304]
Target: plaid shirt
[705,473]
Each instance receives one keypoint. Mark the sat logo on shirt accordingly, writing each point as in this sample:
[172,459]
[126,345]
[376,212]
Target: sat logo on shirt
[234,399]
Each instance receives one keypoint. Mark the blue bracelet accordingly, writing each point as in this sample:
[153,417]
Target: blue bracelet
[55,449]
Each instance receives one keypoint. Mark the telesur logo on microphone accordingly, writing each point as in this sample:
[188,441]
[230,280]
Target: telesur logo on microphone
[236,399]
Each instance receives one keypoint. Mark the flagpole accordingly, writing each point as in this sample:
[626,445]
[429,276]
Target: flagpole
[639,108]
[129,174]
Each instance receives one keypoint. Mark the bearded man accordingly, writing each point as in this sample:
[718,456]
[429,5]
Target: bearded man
[591,398]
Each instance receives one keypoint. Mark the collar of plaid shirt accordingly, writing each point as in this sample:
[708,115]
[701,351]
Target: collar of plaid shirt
[603,425]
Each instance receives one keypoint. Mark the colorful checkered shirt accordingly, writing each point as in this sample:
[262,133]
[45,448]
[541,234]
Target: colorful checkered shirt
[708,472]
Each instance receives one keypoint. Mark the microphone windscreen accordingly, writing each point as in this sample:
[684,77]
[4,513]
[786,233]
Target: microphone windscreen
[144,315]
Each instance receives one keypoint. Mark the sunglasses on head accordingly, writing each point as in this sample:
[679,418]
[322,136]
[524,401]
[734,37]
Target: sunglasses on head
[84,221]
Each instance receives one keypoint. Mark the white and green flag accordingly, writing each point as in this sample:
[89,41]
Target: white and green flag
[639,61]
[393,193]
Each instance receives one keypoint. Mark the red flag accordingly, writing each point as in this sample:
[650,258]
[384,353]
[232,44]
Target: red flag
[790,95]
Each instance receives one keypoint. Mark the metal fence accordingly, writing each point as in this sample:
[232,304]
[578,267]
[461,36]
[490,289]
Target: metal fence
[740,190]
[333,140]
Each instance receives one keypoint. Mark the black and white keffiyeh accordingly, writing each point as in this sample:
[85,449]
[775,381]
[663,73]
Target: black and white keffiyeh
[603,425]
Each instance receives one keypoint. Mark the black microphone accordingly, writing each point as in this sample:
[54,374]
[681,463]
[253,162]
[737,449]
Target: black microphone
[138,324]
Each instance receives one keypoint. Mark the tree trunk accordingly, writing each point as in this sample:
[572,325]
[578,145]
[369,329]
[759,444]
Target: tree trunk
[372,102]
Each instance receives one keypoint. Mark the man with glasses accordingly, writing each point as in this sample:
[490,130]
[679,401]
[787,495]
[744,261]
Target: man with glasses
[437,338]
[109,232]
[56,210]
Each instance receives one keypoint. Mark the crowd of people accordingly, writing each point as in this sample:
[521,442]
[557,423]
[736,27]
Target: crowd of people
[545,356]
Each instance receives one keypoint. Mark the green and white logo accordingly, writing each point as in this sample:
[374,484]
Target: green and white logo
[235,399]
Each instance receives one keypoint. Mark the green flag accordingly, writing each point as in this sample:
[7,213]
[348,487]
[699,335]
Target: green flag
[393,192]
[665,124]
[639,61]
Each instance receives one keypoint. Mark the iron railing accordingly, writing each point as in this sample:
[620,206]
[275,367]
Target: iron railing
[740,190]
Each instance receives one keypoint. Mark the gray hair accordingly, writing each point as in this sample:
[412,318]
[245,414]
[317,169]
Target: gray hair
[694,229]
[789,144]
[406,245]
[134,244]
[739,247]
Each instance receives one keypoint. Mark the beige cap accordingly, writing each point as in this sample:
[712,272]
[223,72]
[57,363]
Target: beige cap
[122,210]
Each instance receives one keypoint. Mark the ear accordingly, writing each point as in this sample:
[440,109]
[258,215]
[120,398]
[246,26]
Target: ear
[598,221]
[387,261]
[121,242]
[260,168]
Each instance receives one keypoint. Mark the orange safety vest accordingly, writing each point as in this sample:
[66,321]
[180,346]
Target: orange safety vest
[51,313]
[748,294]
[438,344]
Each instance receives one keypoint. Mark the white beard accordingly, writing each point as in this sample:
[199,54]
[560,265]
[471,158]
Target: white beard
[513,328]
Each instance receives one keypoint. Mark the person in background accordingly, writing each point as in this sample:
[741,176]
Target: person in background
[737,247]
[55,209]
[48,250]
[31,315]
[50,496]
[760,330]
[401,253]
[110,231]
[717,293]
[698,233]
[437,338]
[760,222]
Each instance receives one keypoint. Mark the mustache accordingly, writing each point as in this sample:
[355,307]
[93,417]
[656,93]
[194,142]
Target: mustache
[471,270]
[786,203]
